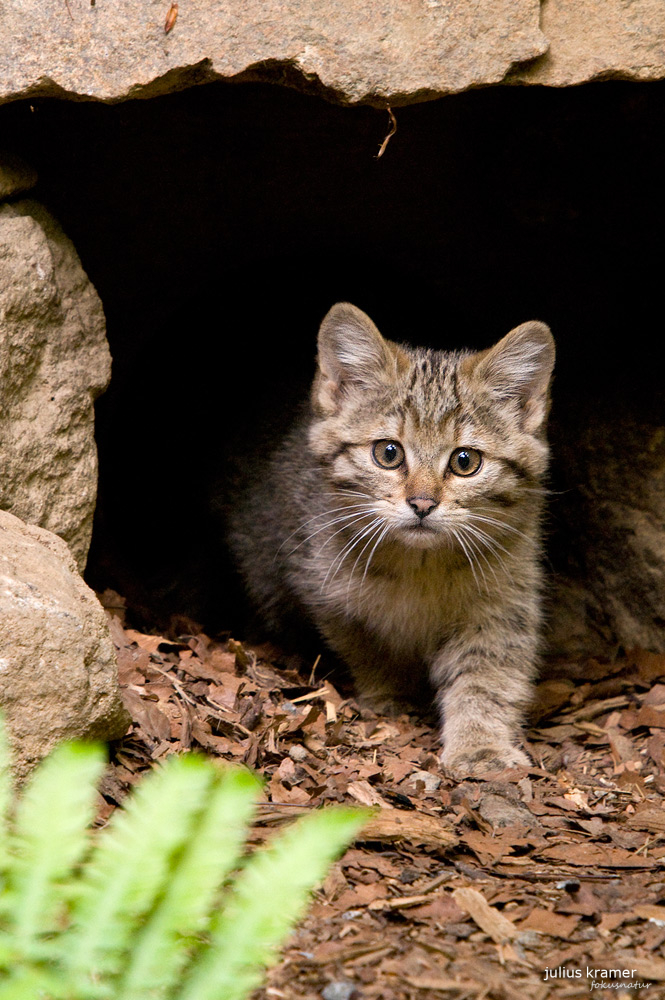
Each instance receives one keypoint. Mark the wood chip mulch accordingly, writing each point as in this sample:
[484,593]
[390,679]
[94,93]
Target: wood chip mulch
[461,890]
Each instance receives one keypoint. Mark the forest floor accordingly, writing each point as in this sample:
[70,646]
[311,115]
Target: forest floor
[455,890]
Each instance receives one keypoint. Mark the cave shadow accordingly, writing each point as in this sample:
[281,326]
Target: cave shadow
[219,225]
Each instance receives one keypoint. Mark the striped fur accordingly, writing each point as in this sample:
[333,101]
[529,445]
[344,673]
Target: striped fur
[447,600]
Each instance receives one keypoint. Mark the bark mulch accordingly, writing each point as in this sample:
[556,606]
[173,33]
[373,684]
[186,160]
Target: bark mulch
[460,890]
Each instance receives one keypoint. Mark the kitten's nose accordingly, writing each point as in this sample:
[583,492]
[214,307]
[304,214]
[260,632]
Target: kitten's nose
[422,505]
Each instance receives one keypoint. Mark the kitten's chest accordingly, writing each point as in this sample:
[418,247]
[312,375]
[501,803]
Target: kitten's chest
[414,609]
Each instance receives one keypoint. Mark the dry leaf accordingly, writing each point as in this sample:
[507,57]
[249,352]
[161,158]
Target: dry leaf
[573,810]
[171,18]
[439,984]
[648,819]
[656,913]
[499,927]
[648,968]
[553,924]
[363,792]
[600,855]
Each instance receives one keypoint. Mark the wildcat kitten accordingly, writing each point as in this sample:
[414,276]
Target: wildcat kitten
[401,517]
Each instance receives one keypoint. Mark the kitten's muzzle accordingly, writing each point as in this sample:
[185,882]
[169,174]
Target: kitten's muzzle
[422,506]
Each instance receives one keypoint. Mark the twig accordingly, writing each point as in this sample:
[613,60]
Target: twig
[176,683]
[393,129]
[313,671]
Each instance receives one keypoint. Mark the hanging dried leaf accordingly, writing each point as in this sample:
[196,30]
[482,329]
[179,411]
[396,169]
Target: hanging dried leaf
[171,18]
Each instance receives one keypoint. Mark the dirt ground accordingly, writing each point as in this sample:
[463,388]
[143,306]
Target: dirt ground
[527,885]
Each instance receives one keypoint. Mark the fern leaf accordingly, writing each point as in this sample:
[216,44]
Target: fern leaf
[132,863]
[267,899]
[51,835]
[164,944]
[28,982]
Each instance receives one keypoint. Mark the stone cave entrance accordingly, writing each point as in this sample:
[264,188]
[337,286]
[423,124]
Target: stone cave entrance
[218,226]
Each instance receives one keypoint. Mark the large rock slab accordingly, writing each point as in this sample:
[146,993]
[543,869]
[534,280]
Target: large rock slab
[397,51]
[58,675]
[377,51]
[54,361]
[599,40]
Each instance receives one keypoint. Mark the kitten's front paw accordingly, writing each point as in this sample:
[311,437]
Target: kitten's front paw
[462,762]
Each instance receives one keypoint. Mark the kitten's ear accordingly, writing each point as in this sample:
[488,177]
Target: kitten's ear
[520,367]
[352,352]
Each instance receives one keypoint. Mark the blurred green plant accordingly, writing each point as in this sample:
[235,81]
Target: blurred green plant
[160,905]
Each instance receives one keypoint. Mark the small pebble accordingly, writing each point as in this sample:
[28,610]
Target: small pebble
[297,752]
[429,780]
[460,930]
[530,939]
[341,990]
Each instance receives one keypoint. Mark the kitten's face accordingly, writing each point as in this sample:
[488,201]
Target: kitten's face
[430,448]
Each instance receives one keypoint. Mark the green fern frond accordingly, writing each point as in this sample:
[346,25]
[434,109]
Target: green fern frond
[31,983]
[143,914]
[50,837]
[267,899]
[133,861]
[163,945]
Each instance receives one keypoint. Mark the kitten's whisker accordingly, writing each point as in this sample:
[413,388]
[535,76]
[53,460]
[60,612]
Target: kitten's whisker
[342,553]
[487,540]
[487,515]
[348,548]
[352,518]
[489,543]
[495,522]
[476,547]
[367,544]
[474,509]
[355,493]
[324,513]
[337,493]
[344,527]
[457,535]
[348,493]
[542,491]
[383,534]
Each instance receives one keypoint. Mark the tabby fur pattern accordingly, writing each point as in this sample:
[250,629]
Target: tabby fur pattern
[372,521]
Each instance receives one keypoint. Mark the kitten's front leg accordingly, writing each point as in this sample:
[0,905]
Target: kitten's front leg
[483,688]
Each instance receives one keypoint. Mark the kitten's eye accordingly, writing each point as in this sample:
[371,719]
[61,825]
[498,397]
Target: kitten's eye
[388,454]
[465,461]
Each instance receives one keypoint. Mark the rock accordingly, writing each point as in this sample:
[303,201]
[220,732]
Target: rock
[593,40]
[54,361]
[370,52]
[341,989]
[16,176]
[501,808]
[497,802]
[58,674]
[429,781]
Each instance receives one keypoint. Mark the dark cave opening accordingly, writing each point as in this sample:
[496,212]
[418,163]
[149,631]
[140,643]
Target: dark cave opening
[219,225]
